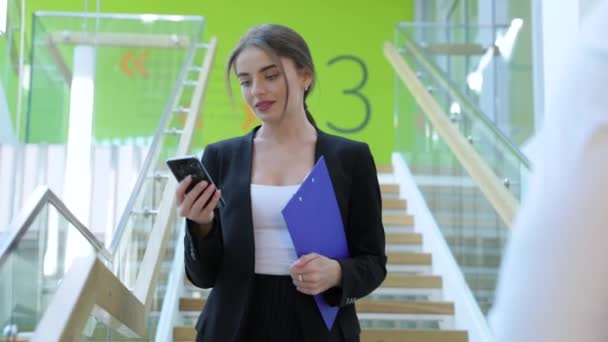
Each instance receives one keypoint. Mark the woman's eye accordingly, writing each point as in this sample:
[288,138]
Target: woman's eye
[272,77]
[245,83]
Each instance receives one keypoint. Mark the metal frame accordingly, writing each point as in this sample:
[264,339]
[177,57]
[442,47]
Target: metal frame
[121,39]
[449,25]
[120,16]
[43,195]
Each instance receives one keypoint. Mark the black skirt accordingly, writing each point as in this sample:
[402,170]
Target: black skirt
[272,315]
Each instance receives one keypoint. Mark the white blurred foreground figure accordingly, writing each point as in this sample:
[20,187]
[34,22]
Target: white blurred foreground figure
[553,284]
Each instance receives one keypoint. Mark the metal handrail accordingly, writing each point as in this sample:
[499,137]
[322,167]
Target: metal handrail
[450,25]
[120,16]
[124,219]
[453,90]
[41,196]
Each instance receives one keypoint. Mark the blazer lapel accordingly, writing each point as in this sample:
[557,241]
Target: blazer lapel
[323,148]
[242,236]
[320,145]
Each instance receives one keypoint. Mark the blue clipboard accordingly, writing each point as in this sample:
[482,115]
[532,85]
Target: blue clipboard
[315,224]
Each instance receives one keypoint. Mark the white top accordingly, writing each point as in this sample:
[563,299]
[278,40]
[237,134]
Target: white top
[553,283]
[274,250]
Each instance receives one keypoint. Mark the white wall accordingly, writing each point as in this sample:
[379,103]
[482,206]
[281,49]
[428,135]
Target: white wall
[556,24]
[587,5]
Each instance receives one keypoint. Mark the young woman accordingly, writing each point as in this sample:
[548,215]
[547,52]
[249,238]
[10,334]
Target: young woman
[261,290]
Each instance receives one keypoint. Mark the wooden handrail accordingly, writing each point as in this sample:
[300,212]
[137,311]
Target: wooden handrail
[87,284]
[501,199]
[90,284]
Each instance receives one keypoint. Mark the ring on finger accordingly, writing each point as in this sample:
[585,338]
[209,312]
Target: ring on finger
[300,278]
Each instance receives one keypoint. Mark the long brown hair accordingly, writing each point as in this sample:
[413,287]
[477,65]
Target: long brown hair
[277,41]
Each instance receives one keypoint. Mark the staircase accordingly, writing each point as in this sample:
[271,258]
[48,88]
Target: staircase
[408,306]
[474,232]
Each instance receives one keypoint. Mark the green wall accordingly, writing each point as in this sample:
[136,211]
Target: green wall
[350,33]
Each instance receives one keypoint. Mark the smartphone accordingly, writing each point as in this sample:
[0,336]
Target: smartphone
[191,165]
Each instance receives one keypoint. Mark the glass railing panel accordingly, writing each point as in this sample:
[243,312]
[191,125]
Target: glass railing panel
[96,330]
[165,274]
[497,151]
[456,50]
[491,65]
[510,169]
[141,217]
[475,233]
[134,74]
[35,264]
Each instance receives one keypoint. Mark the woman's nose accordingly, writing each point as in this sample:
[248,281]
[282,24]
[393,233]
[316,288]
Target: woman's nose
[258,88]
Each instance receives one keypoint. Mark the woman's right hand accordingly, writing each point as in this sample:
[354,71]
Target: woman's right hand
[192,205]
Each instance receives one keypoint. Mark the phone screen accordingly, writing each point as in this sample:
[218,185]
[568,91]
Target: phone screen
[181,167]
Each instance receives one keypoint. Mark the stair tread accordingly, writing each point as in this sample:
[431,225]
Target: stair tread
[397,219]
[363,306]
[409,258]
[408,281]
[389,188]
[400,335]
[394,203]
[182,333]
[384,168]
[398,307]
[403,238]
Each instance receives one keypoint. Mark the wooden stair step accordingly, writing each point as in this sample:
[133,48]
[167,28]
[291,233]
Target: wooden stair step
[183,334]
[407,281]
[389,189]
[403,238]
[409,258]
[397,220]
[191,304]
[394,203]
[363,306]
[412,308]
[384,168]
[401,335]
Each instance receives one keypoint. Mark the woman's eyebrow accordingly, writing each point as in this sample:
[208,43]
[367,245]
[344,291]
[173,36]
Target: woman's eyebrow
[240,74]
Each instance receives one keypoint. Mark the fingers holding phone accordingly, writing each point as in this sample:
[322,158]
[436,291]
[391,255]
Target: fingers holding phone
[206,202]
[180,193]
[198,203]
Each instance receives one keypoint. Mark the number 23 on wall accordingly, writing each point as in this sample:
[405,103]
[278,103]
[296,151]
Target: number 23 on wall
[356,92]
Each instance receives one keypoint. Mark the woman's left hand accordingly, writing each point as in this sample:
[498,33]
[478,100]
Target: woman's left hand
[313,274]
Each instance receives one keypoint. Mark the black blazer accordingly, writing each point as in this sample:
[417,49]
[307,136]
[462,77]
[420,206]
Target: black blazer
[225,258]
